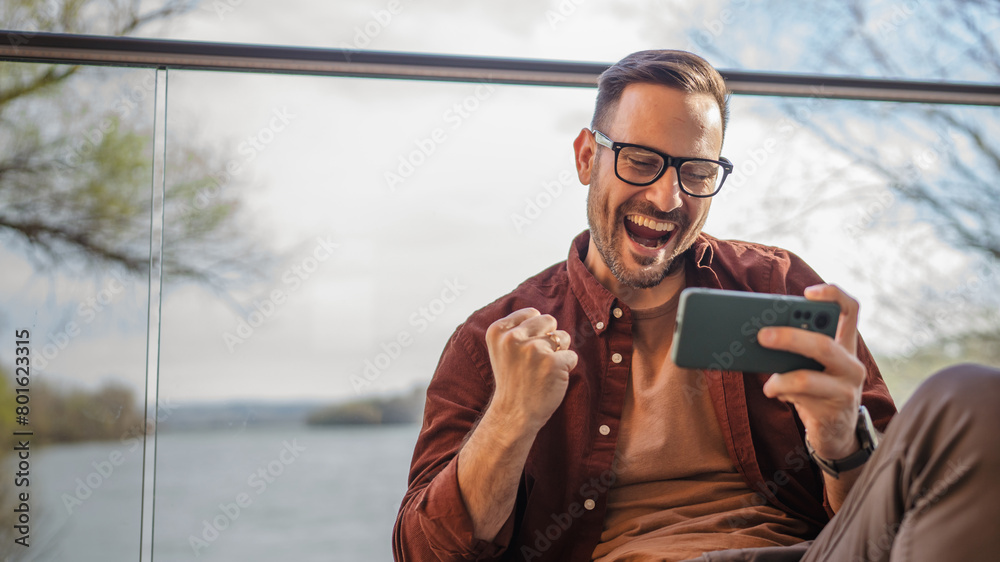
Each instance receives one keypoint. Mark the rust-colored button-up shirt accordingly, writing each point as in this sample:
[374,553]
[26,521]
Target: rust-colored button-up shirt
[561,500]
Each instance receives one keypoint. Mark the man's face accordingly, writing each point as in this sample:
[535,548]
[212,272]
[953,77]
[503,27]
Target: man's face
[639,231]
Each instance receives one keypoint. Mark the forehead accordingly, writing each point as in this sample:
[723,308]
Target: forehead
[677,122]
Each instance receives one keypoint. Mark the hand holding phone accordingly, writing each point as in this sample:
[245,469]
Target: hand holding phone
[717,329]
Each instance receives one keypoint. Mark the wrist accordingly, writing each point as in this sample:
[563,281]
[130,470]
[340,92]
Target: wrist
[827,450]
[506,427]
[867,440]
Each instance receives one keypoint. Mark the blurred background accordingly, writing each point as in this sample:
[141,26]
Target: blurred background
[322,237]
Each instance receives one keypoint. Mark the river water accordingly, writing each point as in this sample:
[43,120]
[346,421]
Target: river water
[294,493]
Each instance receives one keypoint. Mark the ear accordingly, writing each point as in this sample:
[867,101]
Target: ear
[585,148]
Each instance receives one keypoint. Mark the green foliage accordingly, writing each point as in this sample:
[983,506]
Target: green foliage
[6,412]
[904,373]
[355,413]
[64,416]
[109,413]
[76,161]
[106,17]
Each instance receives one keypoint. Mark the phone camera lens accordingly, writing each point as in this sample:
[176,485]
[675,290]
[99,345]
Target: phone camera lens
[807,315]
[797,314]
[822,320]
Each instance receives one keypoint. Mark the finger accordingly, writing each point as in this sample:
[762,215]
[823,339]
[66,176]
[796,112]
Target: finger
[508,323]
[535,326]
[847,328]
[515,318]
[560,339]
[795,386]
[828,352]
[566,359]
[828,422]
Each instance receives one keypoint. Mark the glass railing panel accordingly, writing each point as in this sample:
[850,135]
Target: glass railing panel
[354,223]
[76,159]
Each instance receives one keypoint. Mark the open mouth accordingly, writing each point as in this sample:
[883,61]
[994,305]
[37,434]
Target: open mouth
[648,232]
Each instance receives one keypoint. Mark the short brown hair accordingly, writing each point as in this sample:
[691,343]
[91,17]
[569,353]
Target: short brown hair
[680,70]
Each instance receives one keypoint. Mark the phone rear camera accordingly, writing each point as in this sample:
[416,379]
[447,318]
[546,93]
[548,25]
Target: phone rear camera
[822,320]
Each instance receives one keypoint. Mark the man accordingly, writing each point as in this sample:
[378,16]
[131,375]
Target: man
[557,428]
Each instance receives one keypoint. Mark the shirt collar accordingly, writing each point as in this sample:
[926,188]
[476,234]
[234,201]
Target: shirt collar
[596,301]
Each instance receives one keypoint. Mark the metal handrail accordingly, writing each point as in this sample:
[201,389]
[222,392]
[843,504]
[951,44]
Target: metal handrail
[192,55]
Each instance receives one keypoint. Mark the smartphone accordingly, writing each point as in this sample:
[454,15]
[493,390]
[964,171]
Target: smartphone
[717,329]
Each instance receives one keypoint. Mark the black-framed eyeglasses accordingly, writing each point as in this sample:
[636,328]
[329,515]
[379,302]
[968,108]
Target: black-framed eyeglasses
[640,165]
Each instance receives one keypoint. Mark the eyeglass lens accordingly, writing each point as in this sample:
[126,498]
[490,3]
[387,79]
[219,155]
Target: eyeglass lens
[698,177]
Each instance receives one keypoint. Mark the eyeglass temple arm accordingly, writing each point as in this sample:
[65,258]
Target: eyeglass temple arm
[602,139]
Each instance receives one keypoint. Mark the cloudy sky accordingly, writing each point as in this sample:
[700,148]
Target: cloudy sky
[398,207]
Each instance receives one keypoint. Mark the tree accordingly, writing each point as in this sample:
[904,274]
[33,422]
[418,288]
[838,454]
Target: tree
[951,178]
[75,184]
[7,414]
[909,174]
[75,196]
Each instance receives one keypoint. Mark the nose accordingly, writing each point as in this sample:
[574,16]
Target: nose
[665,192]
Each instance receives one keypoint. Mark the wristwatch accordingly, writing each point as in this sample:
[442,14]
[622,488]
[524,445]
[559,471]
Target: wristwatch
[868,438]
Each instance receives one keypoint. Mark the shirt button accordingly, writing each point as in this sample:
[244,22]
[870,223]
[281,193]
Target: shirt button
[589,504]
[599,325]
[616,358]
[617,312]
[604,429]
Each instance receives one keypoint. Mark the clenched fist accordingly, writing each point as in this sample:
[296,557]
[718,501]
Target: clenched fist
[531,362]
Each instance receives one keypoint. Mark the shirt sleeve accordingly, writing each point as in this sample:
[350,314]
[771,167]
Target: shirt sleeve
[433,522]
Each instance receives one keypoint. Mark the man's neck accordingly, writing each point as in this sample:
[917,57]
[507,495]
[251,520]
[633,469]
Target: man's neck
[636,299]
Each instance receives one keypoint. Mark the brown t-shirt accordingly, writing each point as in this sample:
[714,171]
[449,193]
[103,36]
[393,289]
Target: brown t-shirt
[677,494]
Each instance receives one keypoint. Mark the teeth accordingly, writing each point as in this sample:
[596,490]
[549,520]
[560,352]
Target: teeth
[649,223]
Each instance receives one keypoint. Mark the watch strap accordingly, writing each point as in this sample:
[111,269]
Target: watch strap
[866,437]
